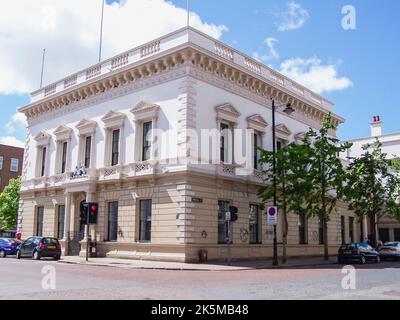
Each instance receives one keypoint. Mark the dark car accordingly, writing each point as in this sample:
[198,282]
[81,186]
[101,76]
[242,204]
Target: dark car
[40,247]
[390,250]
[8,247]
[357,252]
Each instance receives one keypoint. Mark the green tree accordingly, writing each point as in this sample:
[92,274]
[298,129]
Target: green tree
[9,200]
[372,187]
[325,176]
[291,162]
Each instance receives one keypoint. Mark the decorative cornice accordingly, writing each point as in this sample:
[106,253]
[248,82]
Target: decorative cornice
[86,127]
[145,110]
[257,122]
[42,138]
[113,119]
[63,133]
[227,112]
[282,130]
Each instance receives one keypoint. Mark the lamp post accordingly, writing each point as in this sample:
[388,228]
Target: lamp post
[288,110]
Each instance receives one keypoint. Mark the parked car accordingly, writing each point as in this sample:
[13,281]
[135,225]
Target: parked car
[390,250]
[8,247]
[39,247]
[357,252]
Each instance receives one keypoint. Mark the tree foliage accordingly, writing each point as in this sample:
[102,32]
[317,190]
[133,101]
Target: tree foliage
[9,201]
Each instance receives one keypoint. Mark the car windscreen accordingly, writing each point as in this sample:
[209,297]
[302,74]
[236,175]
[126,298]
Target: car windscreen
[348,246]
[392,244]
[50,241]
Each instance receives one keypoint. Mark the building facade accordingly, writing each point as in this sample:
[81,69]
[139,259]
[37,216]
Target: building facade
[126,133]
[11,159]
[388,229]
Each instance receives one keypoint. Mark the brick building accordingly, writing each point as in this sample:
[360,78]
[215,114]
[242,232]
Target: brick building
[11,159]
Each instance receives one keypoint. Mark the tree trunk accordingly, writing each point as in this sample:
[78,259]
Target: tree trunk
[284,236]
[326,245]
[374,236]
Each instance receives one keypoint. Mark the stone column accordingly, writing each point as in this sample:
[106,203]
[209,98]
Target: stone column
[67,217]
[365,226]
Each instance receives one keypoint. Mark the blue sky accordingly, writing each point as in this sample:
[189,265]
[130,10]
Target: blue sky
[305,38]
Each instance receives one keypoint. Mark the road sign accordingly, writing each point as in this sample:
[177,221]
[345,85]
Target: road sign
[227,216]
[272,216]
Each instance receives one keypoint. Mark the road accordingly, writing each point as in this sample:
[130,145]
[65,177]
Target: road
[23,279]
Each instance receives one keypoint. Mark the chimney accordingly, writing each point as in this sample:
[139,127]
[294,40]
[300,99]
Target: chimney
[376,126]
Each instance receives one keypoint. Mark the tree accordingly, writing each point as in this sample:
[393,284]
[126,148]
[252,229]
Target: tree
[9,201]
[291,162]
[325,175]
[372,186]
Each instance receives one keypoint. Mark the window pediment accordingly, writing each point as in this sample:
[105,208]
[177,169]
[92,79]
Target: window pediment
[257,123]
[145,110]
[299,137]
[86,127]
[42,138]
[227,112]
[282,131]
[113,119]
[63,133]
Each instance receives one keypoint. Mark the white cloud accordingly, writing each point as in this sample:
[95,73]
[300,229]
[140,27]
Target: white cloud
[69,30]
[12,141]
[314,75]
[294,17]
[273,53]
[17,121]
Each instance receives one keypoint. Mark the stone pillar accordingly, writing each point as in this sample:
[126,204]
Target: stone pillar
[67,219]
[365,226]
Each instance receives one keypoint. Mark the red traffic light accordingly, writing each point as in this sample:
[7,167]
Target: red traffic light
[93,208]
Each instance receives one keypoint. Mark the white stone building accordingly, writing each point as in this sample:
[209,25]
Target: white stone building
[388,229]
[155,202]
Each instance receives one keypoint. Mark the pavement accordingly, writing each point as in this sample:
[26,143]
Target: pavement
[218,266]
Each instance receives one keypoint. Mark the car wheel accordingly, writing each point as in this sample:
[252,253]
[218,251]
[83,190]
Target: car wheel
[363,260]
[36,255]
[57,258]
[3,254]
[378,259]
[18,254]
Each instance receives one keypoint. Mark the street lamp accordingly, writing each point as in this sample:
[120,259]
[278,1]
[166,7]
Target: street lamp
[288,110]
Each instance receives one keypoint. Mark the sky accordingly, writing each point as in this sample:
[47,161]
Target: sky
[349,55]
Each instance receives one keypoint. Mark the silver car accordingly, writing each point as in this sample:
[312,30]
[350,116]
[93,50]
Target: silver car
[390,250]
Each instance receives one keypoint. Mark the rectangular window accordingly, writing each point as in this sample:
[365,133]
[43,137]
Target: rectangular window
[396,234]
[14,165]
[279,145]
[342,229]
[254,224]
[384,234]
[321,231]
[351,229]
[224,142]
[88,148]
[112,221]
[64,156]
[302,228]
[147,141]
[39,221]
[255,150]
[43,162]
[115,147]
[145,221]
[1,162]
[223,207]
[60,221]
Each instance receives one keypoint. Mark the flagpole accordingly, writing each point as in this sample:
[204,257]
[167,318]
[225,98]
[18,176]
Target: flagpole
[188,13]
[41,75]
[101,29]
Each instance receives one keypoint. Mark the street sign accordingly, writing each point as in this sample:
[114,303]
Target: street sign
[272,216]
[227,216]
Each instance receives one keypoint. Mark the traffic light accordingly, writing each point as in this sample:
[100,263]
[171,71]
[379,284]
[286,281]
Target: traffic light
[234,210]
[93,208]
[83,212]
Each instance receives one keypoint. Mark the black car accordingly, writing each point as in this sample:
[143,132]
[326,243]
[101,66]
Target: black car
[39,247]
[357,252]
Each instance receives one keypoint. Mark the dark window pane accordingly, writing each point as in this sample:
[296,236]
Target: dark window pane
[351,229]
[61,217]
[342,230]
[321,231]
[88,148]
[302,228]
[145,220]
[256,152]
[39,221]
[112,221]
[396,234]
[384,234]
[115,147]
[43,164]
[254,224]
[223,143]
[64,156]
[147,140]
[223,207]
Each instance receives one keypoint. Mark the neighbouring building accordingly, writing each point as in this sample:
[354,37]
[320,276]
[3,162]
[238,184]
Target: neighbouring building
[92,136]
[11,159]
[388,229]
